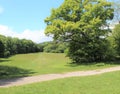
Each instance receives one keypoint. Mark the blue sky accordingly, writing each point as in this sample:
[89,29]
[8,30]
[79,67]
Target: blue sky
[20,17]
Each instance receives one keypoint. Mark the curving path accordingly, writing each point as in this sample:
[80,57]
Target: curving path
[46,77]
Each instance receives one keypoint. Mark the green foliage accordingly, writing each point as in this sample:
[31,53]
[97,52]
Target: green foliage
[2,48]
[55,47]
[6,54]
[80,23]
[40,47]
[10,46]
[50,47]
[3,45]
[116,38]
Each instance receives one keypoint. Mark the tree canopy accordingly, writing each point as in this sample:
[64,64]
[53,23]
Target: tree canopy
[81,24]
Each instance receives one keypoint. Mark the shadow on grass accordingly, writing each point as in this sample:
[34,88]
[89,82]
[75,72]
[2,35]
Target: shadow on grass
[13,72]
[10,74]
[2,60]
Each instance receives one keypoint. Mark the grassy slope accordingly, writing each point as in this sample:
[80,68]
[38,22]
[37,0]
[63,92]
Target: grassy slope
[108,83]
[40,63]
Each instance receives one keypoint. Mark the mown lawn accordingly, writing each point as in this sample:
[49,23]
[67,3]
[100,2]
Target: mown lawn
[41,63]
[108,83]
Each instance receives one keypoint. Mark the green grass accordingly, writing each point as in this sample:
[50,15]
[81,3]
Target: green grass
[41,63]
[108,83]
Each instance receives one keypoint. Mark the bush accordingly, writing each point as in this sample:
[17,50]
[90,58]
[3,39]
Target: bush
[6,54]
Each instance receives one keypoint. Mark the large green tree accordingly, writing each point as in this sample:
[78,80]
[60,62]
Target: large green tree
[81,24]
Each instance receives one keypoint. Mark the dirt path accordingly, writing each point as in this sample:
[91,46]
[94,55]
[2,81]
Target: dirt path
[40,78]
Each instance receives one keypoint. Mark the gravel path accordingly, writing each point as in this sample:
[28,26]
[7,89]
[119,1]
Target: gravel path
[47,77]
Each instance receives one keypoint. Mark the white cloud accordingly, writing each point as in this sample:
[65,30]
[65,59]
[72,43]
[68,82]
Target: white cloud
[37,36]
[1,10]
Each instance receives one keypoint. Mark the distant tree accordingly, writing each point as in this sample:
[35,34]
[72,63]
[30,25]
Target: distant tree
[15,45]
[55,47]
[80,22]
[62,46]
[2,48]
[3,39]
[10,45]
[50,47]
[40,47]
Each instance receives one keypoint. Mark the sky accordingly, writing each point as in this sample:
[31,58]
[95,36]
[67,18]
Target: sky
[25,18]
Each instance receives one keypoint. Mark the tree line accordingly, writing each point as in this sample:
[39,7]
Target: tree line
[11,46]
[54,47]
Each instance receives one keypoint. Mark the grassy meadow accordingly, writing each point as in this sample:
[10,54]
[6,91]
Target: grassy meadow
[41,63]
[107,83]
